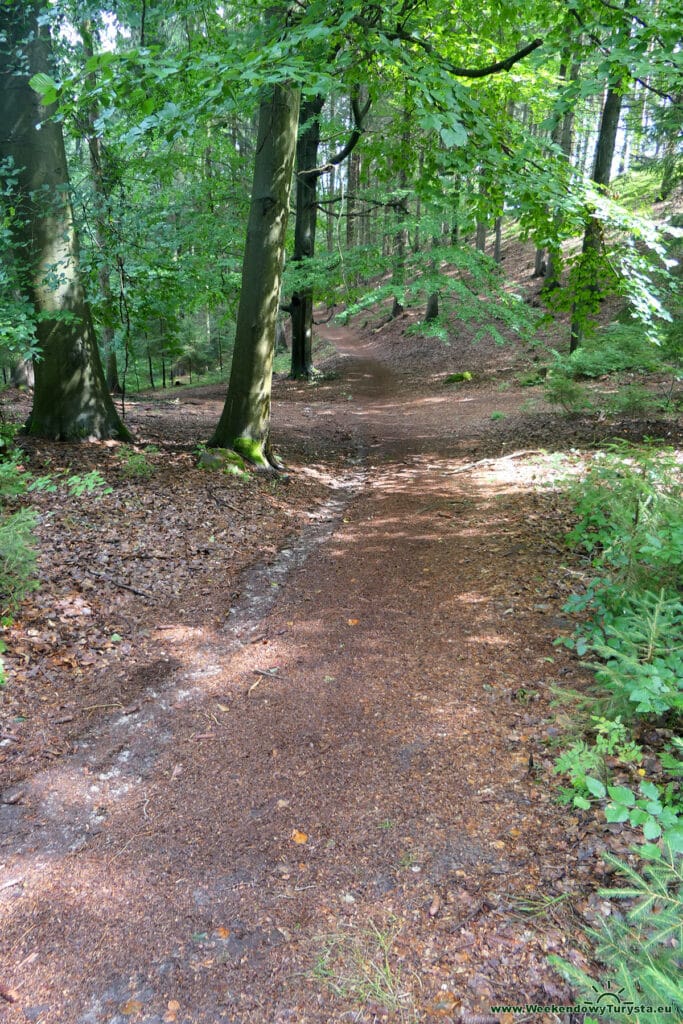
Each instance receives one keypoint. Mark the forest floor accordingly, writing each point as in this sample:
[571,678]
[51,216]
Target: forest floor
[277,751]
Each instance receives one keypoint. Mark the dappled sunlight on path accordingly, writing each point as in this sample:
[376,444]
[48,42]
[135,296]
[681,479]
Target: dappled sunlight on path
[344,753]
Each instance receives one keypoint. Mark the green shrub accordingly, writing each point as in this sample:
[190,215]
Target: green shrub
[630,509]
[134,464]
[560,389]
[17,551]
[641,652]
[641,950]
[17,558]
[634,400]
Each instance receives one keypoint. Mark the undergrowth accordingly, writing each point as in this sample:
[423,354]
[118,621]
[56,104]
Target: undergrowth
[629,508]
[641,948]
[18,522]
[618,349]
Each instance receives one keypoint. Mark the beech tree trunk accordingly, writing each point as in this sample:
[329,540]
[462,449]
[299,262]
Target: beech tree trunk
[301,303]
[245,422]
[102,218]
[587,281]
[71,400]
[562,136]
[498,243]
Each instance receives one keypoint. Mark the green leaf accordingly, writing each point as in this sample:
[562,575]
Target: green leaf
[43,84]
[613,812]
[651,829]
[622,795]
[454,136]
[595,787]
[649,790]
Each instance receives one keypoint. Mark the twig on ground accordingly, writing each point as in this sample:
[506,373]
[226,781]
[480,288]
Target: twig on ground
[118,583]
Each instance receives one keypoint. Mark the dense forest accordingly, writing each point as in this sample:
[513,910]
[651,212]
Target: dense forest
[142,141]
[410,270]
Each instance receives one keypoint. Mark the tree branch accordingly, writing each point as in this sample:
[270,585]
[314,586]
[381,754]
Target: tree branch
[603,49]
[490,69]
[359,115]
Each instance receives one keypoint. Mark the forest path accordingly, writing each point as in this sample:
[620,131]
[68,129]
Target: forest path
[331,817]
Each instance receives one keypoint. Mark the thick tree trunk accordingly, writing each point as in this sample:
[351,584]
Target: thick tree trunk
[301,305]
[587,281]
[245,422]
[71,400]
[480,240]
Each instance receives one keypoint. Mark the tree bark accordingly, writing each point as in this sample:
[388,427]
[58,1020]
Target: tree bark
[301,305]
[101,185]
[71,400]
[245,422]
[562,136]
[587,281]
[432,311]
[498,243]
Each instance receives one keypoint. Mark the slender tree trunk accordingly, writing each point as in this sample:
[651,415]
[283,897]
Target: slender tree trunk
[587,281]
[301,303]
[564,136]
[150,368]
[101,185]
[331,186]
[71,400]
[351,199]
[245,422]
[539,262]
[401,240]
[498,243]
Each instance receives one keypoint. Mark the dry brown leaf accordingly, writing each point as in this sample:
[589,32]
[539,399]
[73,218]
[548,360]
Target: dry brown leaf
[171,1015]
[131,1007]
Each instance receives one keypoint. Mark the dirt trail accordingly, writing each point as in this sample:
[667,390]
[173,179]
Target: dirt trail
[324,811]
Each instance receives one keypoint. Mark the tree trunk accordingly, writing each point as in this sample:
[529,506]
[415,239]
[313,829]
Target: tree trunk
[23,374]
[587,282]
[301,305]
[539,262]
[498,243]
[480,240]
[401,240]
[102,218]
[71,400]
[245,422]
[432,311]
[563,135]
[351,199]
